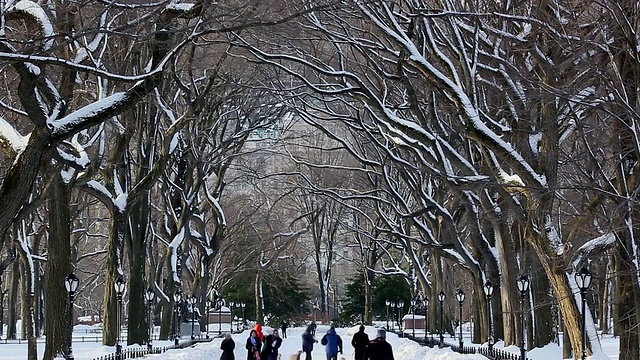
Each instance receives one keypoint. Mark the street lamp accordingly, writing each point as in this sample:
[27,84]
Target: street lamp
[413,318]
[119,287]
[192,304]
[441,297]
[387,302]
[231,304]
[177,299]
[149,297]
[244,321]
[583,278]
[460,298]
[488,290]
[71,283]
[425,304]
[523,287]
[400,309]
[206,316]
[220,304]
[393,315]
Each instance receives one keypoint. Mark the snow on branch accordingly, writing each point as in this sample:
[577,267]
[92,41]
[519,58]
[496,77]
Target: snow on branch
[11,141]
[35,12]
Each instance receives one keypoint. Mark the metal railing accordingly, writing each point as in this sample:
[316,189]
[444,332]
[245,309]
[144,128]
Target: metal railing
[132,353]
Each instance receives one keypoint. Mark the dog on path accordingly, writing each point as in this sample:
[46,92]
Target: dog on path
[296,356]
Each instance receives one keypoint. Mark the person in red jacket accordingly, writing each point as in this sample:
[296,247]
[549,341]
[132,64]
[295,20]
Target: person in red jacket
[258,329]
[379,348]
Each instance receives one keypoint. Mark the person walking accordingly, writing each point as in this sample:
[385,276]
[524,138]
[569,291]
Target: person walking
[307,342]
[313,328]
[267,348]
[275,345]
[227,346]
[332,343]
[359,342]
[283,326]
[253,346]
[379,348]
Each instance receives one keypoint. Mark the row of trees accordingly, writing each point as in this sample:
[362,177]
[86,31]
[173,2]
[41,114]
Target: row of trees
[443,142]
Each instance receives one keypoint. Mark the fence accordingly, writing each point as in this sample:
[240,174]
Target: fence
[493,354]
[132,353]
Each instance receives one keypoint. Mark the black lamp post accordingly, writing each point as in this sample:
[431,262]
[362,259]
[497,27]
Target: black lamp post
[393,315]
[460,298]
[206,317]
[119,287]
[177,299]
[583,278]
[387,302]
[244,321]
[488,290]
[413,318]
[231,304]
[149,297]
[220,304]
[441,297]
[400,305]
[523,287]
[71,283]
[192,305]
[425,304]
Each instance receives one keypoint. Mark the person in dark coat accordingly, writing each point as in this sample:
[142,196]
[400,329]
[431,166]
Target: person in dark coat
[254,345]
[332,343]
[359,342]
[277,341]
[308,341]
[283,326]
[227,346]
[379,348]
[313,328]
[268,348]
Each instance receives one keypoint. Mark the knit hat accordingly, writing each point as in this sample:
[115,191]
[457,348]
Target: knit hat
[381,333]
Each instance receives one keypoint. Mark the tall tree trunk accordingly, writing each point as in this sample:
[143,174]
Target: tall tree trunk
[117,229]
[627,324]
[259,301]
[12,318]
[28,298]
[57,268]
[508,292]
[137,326]
[542,328]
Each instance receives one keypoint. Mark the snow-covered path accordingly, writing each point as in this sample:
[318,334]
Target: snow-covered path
[403,349]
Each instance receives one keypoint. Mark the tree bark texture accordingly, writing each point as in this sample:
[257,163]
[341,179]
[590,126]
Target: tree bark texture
[111,328]
[57,268]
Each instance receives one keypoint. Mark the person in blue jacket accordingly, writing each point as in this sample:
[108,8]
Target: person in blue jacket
[332,343]
[307,342]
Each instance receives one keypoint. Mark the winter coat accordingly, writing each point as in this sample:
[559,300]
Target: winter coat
[332,342]
[227,347]
[359,342]
[307,340]
[251,349]
[277,341]
[267,349]
[379,349]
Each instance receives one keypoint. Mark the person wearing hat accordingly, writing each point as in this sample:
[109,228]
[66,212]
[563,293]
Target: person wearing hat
[379,348]
[359,342]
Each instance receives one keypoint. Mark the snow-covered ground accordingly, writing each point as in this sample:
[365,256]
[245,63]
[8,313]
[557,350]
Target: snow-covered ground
[403,349]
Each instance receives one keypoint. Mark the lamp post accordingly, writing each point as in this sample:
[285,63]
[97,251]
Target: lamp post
[523,287]
[413,318]
[177,298]
[460,298]
[583,278]
[425,305]
[119,287]
[488,290]
[231,304]
[149,297]
[393,315]
[441,297]
[71,283]
[400,309]
[220,304]
[387,302]
[192,305]
[206,317]
[244,321]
